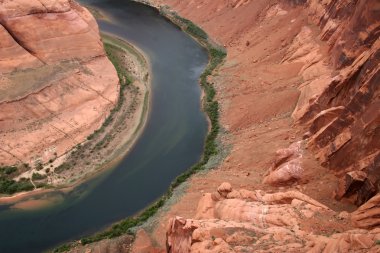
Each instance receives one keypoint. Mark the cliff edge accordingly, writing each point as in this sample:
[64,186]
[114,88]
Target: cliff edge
[57,85]
[299,103]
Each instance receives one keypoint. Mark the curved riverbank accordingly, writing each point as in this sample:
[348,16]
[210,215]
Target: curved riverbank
[172,140]
[113,140]
[211,149]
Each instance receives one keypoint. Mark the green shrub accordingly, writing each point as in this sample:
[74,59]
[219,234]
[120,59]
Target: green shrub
[61,168]
[196,31]
[38,176]
[39,166]
[7,170]
[8,186]
[190,27]
[63,248]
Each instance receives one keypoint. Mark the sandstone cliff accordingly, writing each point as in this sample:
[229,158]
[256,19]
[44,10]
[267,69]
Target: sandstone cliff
[57,86]
[336,47]
[299,100]
[344,117]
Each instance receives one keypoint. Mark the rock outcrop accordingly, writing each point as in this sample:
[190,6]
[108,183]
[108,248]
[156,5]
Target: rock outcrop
[295,69]
[334,48]
[247,221]
[287,166]
[57,86]
[367,216]
[344,117]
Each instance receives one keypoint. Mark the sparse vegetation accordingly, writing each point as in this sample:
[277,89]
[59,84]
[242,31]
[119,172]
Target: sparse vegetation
[7,170]
[9,186]
[190,27]
[38,176]
[64,166]
[39,166]
[125,80]
[184,23]
[211,107]
[80,151]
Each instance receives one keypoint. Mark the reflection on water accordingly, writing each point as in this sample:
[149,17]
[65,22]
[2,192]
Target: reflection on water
[37,203]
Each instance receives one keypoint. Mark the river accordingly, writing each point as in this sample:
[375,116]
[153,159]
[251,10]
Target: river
[171,142]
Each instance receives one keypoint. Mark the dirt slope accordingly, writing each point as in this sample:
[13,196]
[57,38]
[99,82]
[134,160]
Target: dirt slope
[299,96]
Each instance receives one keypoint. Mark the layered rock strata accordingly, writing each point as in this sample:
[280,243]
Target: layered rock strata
[57,86]
[296,71]
[255,221]
[328,50]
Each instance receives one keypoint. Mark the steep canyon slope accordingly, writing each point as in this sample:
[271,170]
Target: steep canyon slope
[57,85]
[299,100]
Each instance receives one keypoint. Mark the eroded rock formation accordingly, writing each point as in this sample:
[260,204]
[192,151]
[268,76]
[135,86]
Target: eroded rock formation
[295,69]
[344,117]
[57,86]
[334,48]
[287,166]
[247,221]
[367,216]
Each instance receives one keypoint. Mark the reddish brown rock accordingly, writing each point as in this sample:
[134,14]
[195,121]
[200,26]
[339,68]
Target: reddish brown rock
[144,244]
[271,224]
[350,134]
[317,61]
[351,183]
[179,235]
[224,189]
[368,215]
[323,118]
[71,85]
[287,166]
[52,37]
[13,56]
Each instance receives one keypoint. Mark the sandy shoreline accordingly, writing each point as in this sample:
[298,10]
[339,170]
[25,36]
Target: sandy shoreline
[126,139]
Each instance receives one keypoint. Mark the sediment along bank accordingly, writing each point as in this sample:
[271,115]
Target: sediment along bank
[127,228]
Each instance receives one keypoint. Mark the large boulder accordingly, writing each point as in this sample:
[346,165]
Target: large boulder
[368,215]
[286,167]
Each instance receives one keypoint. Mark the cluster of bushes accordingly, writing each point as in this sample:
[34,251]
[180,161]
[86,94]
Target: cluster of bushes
[7,170]
[64,166]
[9,186]
[196,31]
[38,176]
[190,27]
[124,78]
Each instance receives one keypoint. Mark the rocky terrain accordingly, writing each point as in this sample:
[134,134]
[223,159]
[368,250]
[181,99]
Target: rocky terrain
[299,107]
[57,85]
[299,98]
